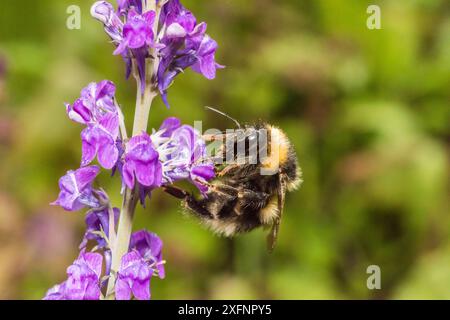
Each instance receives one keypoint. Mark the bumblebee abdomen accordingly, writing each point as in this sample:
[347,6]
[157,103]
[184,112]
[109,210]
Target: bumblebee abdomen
[232,226]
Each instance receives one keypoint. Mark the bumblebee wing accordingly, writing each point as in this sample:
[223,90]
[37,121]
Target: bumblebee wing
[273,235]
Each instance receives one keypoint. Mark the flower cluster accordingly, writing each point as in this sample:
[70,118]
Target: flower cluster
[169,35]
[84,281]
[97,110]
[138,266]
[183,154]
[159,38]
[184,44]
[83,278]
[172,153]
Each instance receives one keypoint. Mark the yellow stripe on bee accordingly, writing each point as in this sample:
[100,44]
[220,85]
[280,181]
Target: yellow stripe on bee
[269,213]
[279,149]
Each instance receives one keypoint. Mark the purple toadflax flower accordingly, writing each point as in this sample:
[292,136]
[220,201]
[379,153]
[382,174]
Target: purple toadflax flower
[125,5]
[149,246]
[134,37]
[175,152]
[104,12]
[205,57]
[113,25]
[133,278]
[141,163]
[137,32]
[97,110]
[137,39]
[57,292]
[100,139]
[138,266]
[186,44]
[179,43]
[169,126]
[160,39]
[96,100]
[182,153]
[83,280]
[99,221]
[76,189]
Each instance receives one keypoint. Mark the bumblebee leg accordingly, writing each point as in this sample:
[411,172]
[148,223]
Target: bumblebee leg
[273,235]
[227,169]
[254,199]
[225,189]
[196,206]
[247,194]
[176,192]
[247,199]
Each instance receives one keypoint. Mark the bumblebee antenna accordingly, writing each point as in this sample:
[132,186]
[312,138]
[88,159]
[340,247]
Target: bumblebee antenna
[225,115]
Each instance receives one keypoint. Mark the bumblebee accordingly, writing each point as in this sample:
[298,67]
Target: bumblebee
[249,189]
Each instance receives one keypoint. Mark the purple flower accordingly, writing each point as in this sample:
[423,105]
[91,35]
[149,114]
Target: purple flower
[83,280]
[149,246]
[205,54]
[133,38]
[97,110]
[96,100]
[76,189]
[104,12]
[185,146]
[137,38]
[98,220]
[125,5]
[113,25]
[182,152]
[84,276]
[180,42]
[179,21]
[200,174]
[141,161]
[169,126]
[133,278]
[137,267]
[171,11]
[185,45]
[192,153]
[57,292]
[100,139]
[137,31]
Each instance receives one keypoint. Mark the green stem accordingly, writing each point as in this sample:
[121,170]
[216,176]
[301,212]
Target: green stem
[131,196]
[130,199]
[142,113]
[122,242]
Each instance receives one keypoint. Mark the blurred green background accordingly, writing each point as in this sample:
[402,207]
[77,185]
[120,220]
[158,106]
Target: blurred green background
[367,110]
